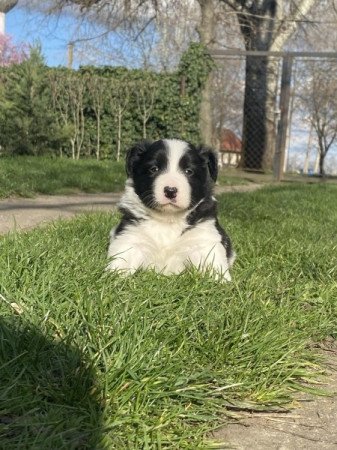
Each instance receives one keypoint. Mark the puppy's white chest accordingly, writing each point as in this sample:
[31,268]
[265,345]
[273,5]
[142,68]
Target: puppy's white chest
[160,244]
[163,235]
[168,247]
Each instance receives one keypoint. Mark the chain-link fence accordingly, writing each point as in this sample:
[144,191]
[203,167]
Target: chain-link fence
[276,113]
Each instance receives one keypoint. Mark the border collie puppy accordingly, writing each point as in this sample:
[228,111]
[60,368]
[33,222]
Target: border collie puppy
[169,215]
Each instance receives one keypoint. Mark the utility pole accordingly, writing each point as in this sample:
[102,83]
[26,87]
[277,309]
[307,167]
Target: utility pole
[281,139]
[2,23]
[5,7]
[70,55]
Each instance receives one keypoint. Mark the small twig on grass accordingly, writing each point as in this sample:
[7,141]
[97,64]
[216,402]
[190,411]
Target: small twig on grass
[257,409]
[15,306]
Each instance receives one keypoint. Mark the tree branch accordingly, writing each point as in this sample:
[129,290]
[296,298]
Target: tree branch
[289,24]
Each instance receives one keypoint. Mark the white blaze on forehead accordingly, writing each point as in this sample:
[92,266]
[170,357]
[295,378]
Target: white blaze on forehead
[173,176]
[176,149]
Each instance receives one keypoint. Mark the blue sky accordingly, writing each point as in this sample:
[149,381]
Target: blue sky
[55,32]
[52,33]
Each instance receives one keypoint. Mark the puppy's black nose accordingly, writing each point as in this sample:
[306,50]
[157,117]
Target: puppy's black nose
[170,192]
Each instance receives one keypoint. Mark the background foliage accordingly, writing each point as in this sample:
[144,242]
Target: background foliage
[97,111]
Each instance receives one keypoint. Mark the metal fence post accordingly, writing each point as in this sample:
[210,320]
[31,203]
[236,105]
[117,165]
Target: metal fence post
[282,129]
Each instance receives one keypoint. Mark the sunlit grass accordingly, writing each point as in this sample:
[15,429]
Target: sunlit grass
[28,176]
[150,362]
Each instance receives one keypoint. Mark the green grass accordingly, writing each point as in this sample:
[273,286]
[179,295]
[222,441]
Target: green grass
[28,176]
[230,177]
[151,362]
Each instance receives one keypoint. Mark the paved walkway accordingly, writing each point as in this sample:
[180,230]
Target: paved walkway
[25,213]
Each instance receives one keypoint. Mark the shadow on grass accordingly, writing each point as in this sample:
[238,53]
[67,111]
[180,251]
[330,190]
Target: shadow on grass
[48,396]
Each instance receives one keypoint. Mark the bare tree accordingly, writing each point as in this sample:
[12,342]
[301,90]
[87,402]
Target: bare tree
[68,100]
[267,26]
[227,102]
[97,88]
[321,35]
[61,104]
[146,91]
[308,152]
[319,100]
[176,24]
[99,22]
[147,33]
[119,98]
[76,94]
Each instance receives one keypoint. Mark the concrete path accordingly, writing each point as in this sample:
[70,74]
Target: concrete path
[25,213]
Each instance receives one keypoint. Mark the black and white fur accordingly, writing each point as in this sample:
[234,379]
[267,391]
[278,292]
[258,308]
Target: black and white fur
[169,215]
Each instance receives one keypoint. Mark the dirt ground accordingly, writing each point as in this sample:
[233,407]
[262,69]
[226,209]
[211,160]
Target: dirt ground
[311,425]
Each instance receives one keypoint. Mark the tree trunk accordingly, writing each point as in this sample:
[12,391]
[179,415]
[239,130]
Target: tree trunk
[72,141]
[80,133]
[321,165]
[98,144]
[316,166]
[308,152]
[320,153]
[144,126]
[205,114]
[206,34]
[119,135]
[259,127]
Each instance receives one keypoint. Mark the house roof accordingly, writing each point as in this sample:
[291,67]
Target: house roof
[229,142]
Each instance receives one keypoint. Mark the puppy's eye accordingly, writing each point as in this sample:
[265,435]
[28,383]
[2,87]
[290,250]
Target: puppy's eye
[154,169]
[189,172]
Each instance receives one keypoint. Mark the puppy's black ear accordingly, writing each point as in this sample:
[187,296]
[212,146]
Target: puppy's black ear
[132,156]
[211,158]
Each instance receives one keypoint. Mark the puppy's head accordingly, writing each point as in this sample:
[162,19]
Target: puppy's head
[171,175]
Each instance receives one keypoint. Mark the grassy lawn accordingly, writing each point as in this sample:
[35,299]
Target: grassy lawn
[91,360]
[28,176]
[230,177]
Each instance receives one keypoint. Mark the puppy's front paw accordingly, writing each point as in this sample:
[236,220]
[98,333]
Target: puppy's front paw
[120,265]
